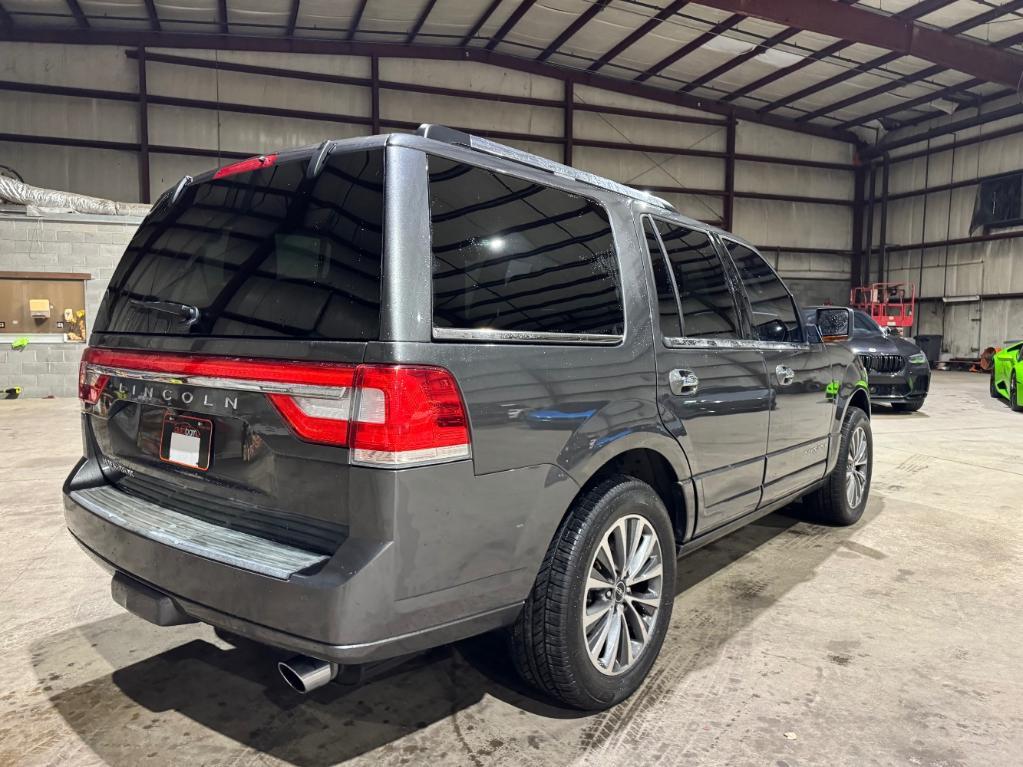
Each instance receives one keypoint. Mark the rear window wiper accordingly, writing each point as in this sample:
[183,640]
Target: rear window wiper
[185,313]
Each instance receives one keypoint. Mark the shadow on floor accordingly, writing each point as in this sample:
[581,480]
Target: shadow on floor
[236,697]
[878,408]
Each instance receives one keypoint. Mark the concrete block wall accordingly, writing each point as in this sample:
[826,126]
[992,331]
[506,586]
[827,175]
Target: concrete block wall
[64,243]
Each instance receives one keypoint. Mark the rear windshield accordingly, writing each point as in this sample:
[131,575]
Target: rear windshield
[266,253]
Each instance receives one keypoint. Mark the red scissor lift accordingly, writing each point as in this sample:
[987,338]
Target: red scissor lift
[889,304]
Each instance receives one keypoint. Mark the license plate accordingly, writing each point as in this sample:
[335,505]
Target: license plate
[186,441]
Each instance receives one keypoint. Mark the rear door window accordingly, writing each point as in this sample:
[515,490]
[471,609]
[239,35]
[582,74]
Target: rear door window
[264,253]
[774,315]
[515,255]
[708,303]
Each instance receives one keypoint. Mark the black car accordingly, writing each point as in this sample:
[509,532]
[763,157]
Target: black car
[898,370]
[361,399]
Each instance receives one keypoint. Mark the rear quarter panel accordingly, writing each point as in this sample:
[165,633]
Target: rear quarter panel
[573,406]
[553,412]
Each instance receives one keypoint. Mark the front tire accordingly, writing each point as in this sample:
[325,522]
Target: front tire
[594,622]
[992,389]
[843,496]
[1014,393]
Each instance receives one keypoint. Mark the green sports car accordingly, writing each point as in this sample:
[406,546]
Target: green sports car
[1007,375]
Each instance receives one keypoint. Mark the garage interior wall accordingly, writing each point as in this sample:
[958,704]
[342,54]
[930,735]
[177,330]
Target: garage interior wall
[971,291]
[71,121]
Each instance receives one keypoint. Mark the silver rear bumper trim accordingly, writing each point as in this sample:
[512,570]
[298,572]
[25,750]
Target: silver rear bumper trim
[196,536]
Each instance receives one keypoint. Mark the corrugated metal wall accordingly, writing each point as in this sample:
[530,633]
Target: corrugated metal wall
[780,226]
[961,284]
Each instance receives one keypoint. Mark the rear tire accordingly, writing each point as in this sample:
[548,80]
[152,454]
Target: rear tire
[585,645]
[843,496]
[907,407]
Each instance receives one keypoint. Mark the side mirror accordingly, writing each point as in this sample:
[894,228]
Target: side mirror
[835,323]
[773,330]
[886,331]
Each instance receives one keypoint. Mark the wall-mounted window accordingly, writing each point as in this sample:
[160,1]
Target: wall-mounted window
[41,303]
[999,202]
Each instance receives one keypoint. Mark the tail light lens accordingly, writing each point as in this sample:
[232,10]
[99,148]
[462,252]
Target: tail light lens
[388,415]
[91,382]
[407,415]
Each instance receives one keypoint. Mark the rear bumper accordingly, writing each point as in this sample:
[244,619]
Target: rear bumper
[170,610]
[382,594]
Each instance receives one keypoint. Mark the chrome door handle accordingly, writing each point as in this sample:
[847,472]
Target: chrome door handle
[682,382]
[785,375]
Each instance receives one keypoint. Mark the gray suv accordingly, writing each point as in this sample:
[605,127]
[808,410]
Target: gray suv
[357,400]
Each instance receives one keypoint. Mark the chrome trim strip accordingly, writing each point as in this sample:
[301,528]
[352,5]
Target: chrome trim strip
[403,459]
[236,384]
[495,149]
[515,336]
[734,343]
[195,536]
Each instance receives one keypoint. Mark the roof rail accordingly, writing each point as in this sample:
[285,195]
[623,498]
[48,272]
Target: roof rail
[486,146]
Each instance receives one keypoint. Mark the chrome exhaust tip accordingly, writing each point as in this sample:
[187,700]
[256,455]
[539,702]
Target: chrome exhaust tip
[305,674]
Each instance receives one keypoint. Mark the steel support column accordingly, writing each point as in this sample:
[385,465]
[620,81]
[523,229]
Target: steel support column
[143,118]
[729,201]
[882,255]
[569,116]
[863,275]
[374,94]
[856,265]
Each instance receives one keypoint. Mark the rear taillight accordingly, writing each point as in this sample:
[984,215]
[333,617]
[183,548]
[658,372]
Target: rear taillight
[407,415]
[388,415]
[91,382]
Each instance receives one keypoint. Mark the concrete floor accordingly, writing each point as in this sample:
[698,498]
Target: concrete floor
[899,641]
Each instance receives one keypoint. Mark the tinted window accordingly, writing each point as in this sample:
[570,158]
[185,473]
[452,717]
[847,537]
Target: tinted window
[667,302]
[708,307]
[264,253]
[864,325]
[774,313]
[513,255]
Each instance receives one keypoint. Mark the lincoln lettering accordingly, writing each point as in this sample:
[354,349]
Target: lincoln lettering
[143,393]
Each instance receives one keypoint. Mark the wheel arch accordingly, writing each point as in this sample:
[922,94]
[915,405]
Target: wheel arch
[853,392]
[858,399]
[650,465]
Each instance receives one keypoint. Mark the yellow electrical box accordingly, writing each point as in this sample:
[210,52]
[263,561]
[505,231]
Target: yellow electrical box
[39,308]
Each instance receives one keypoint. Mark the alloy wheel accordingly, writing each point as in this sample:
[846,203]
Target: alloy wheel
[623,595]
[856,468]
